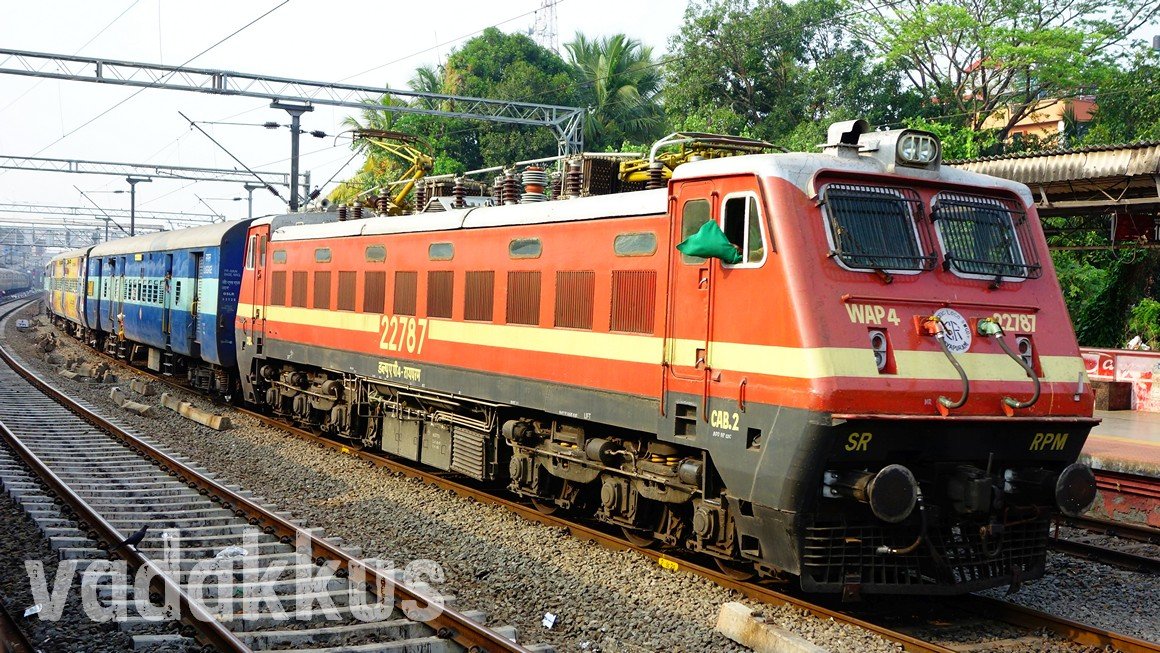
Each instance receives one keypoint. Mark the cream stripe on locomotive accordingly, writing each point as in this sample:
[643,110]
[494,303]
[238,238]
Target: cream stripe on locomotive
[792,362]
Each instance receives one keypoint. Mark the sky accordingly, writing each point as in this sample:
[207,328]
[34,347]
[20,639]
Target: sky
[365,43]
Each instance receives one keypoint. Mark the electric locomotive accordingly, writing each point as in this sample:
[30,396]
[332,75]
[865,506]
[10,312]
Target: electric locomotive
[876,386]
[852,366]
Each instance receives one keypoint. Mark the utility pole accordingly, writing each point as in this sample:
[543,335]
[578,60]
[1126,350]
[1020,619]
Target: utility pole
[295,111]
[133,181]
[250,188]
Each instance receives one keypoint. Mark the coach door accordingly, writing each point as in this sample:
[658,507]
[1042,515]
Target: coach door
[167,300]
[194,330]
[119,302]
[690,296]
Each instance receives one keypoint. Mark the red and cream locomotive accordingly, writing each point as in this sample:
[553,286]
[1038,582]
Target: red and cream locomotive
[878,389]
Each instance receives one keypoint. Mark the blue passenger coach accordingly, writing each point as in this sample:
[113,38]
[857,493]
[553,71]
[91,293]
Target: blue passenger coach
[170,297]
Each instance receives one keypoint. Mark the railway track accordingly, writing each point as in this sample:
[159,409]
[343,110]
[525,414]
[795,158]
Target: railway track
[1118,555]
[89,484]
[923,636]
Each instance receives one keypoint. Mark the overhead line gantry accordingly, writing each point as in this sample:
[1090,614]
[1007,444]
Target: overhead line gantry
[566,122]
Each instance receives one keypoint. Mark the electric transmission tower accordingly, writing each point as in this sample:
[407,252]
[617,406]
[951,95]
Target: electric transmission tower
[544,29]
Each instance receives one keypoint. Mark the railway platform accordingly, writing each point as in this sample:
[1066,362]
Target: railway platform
[1124,451]
[1125,441]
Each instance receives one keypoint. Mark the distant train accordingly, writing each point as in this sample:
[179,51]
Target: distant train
[13,281]
[876,387]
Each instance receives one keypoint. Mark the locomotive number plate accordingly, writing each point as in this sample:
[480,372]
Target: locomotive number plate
[402,333]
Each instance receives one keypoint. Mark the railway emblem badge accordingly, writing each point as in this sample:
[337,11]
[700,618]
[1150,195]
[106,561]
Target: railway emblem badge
[956,330]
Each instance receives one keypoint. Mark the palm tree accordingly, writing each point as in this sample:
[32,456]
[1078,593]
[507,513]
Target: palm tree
[621,82]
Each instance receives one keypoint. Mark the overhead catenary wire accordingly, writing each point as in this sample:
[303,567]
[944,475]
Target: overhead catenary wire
[162,79]
[268,187]
[75,52]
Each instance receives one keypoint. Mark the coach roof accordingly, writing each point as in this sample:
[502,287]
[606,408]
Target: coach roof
[209,235]
[71,254]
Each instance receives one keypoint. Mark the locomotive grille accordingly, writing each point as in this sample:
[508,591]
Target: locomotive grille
[375,292]
[875,228]
[833,556]
[984,236]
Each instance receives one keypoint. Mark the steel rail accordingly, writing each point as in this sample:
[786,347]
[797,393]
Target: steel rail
[1125,530]
[448,623]
[189,611]
[12,638]
[607,540]
[1007,612]
[1080,633]
[1106,555]
[1131,484]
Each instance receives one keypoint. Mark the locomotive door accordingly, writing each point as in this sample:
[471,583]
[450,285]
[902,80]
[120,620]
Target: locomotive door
[257,322]
[690,299]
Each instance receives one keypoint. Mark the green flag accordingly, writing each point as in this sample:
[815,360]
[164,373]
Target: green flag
[710,242]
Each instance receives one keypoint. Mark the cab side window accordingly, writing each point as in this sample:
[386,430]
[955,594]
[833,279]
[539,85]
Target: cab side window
[251,252]
[741,222]
[694,215]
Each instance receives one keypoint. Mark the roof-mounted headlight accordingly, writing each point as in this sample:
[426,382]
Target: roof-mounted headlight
[917,148]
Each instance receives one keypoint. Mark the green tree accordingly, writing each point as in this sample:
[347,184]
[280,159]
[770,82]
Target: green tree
[768,68]
[973,58]
[508,67]
[1128,103]
[620,83]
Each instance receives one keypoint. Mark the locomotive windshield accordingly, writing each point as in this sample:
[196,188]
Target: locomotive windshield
[874,228]
[979,237]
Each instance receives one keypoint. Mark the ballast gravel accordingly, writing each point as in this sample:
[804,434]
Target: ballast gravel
[517,571]
[73,631]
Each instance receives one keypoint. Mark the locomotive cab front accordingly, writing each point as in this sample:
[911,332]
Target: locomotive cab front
[892,390]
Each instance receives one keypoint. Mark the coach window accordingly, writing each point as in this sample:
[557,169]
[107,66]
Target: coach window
[441,251]
[322,255]
[741,222]
[279,256]
[525,248]
[693,216]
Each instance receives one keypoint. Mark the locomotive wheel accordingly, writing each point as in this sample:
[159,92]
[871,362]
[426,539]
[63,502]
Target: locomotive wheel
[545,507]
[639,538]
[735,569]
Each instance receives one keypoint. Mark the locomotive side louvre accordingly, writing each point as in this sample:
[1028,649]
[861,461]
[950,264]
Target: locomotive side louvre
[495,289]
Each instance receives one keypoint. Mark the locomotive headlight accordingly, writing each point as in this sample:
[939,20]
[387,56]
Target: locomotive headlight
[1075,491]
[916,148]
[878,344]
[1025,349]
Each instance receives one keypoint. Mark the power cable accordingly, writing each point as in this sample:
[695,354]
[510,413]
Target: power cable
[448,42]
[162,79]
[268,187]
[76,52]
